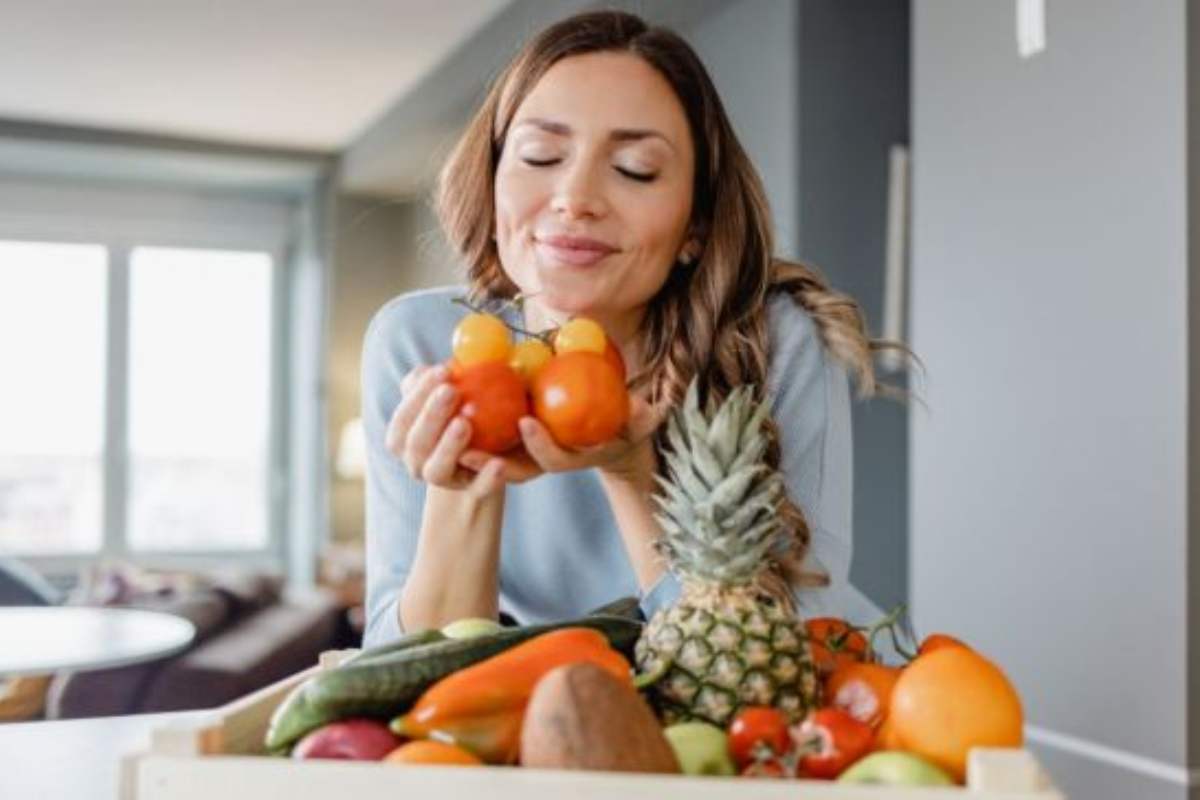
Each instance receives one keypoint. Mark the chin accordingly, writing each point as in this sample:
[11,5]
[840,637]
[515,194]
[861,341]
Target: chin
[572,298]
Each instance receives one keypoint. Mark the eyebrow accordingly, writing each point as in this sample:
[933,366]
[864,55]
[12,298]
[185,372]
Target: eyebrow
[617,135]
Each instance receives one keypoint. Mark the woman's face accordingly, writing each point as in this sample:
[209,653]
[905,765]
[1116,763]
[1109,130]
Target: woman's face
[594,188]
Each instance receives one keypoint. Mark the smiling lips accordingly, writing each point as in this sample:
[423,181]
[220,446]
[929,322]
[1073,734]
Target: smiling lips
[574,250]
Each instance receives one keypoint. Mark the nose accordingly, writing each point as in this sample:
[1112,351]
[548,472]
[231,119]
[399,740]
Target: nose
[578,194]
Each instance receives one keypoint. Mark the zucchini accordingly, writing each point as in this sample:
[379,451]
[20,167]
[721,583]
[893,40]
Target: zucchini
[387,684]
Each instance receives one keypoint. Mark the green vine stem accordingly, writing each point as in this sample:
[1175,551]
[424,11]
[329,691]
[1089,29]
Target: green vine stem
[546,336]
[889,623]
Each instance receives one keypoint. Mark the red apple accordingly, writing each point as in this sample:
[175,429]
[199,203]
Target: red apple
[357,739]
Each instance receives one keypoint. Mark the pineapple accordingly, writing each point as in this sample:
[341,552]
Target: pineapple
[726,643]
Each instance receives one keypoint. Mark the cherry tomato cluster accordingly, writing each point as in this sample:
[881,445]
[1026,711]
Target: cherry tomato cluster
[821,746]
[573,381]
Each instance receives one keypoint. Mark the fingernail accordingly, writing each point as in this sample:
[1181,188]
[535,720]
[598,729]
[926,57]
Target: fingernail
[527,426]
[439,371]
[443,394]
[458,426]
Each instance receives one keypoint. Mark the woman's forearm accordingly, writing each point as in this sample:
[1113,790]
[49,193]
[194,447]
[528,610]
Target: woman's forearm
[634,513]
[455,570]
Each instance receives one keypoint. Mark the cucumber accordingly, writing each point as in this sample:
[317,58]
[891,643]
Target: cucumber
[389,683]
[386,651]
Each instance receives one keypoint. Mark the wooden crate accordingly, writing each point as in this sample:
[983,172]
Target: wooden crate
[220,755]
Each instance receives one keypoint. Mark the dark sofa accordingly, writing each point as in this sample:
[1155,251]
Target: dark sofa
[248,635]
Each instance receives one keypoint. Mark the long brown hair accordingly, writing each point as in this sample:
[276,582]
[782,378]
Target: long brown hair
[710,317]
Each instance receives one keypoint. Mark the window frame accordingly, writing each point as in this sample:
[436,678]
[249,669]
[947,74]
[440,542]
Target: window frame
[122,218]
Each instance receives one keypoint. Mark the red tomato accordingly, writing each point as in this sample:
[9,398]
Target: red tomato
[862,690]
[758,733]
[829,740]
[613,356]
[581,399]
[834,642]
[492,396]
[770,768]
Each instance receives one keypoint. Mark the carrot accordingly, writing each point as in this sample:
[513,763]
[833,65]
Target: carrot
[481,707]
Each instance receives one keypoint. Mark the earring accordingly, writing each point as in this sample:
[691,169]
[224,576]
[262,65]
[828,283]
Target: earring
[685,259]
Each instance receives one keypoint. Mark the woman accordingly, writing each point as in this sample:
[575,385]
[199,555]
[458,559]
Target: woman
[601,177]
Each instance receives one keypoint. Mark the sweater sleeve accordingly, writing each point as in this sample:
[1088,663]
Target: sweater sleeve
[811,406]
[394,500]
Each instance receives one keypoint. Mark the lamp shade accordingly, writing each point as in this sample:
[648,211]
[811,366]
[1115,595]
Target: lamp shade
[352,451]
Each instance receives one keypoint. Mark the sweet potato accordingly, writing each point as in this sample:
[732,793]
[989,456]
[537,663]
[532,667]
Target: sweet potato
[581,717]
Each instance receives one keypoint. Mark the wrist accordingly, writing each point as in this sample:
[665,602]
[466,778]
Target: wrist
[636,472]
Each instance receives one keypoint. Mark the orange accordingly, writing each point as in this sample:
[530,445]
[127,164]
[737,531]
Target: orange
[428,751]
[951,700]
[936,641]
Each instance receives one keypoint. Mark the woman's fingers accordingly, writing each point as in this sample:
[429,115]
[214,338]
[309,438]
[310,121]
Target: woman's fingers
[490,479]
[515,467]
[415,389]
[543,449]
[441,468]
[427,429]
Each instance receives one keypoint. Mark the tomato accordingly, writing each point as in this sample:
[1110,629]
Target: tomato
[829,740]
[613,356]
[936,641]
[529,356]
[492,397]
[864,691]
[432,752]
[480,338]
[580,333]
[581,399]
[758,733]
[770,768]
[951,700]
[834,642]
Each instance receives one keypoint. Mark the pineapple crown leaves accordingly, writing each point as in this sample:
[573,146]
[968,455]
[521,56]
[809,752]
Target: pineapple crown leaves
[718,507]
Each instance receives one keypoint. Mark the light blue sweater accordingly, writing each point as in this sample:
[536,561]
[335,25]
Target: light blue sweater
[561,553]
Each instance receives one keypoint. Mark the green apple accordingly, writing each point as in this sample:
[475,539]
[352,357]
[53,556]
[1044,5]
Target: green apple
[895,768]
[700,748]
[470,627]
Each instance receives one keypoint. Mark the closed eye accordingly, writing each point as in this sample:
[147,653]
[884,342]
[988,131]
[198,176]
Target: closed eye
[637,176]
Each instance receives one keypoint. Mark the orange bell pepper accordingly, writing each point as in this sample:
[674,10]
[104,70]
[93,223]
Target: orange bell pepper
[481,708]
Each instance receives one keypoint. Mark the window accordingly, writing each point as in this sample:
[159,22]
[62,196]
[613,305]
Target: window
[143,353]
[53,317]
[199,399]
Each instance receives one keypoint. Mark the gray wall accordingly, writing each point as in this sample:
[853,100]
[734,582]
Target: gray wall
[1050,477]
[750,50]
[853,105]
[382,248]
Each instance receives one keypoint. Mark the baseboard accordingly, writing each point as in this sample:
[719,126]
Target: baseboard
[1086,769]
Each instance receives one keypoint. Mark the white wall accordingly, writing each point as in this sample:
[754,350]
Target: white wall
[1049,478]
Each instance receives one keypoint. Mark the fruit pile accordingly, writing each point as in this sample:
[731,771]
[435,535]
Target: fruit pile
[572,379]
[729,680]
[911,724]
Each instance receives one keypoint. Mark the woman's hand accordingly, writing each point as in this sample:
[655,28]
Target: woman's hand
[429,435]
[629,458]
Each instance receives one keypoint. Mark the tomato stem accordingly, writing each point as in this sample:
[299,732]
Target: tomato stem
[546,336]
[889,623]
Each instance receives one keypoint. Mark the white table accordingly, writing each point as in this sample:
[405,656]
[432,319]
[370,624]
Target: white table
[74,757]
[37,640]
